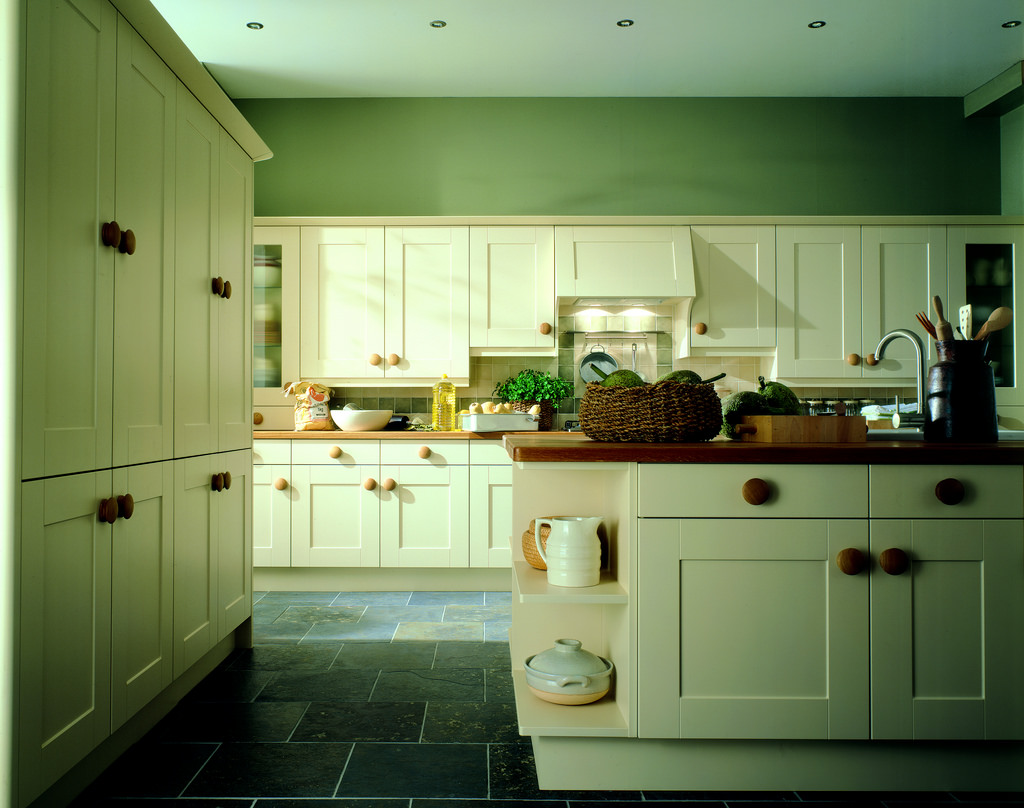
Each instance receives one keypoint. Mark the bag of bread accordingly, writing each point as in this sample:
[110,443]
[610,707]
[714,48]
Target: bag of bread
[312,405]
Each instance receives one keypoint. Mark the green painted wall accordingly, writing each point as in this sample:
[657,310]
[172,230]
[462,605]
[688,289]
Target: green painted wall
[615,156]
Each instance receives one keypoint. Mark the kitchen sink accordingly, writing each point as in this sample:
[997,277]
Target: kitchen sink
[916,434]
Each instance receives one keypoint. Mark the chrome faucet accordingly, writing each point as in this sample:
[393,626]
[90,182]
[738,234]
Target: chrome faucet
[919,352]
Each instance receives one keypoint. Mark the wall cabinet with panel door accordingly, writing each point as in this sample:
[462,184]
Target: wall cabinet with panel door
[384,304]
[275,312]
[511,290]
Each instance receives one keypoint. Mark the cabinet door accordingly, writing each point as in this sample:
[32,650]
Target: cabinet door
[819,302]
[69,274]
[141,594]
[65,626]
[335,517]
[271,516]
[424,520]
[946,661]
[275,306]
[490,516]
[426,310]
[512,287]
[234,540]
[748,629]
[735,273]
[341,304]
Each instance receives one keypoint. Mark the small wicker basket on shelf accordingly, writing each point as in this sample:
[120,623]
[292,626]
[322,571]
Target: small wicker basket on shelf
[663,412]
[530,545]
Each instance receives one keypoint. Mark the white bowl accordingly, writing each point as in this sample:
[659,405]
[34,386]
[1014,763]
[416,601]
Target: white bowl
[361,420]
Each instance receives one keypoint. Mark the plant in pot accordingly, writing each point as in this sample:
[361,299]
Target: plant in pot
[529,387]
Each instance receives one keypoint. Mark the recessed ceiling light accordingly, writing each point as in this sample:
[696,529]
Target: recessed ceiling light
[256,26]
[624,23]
[437,23]
[1011,23]
[817,24]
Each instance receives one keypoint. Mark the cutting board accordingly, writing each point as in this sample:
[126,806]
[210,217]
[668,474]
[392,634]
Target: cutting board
[803,428]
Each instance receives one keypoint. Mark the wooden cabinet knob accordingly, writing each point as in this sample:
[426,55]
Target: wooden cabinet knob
[851,561]
[217,482]
[110,234]
[545,328]
[369,483]
[257,418]
[218,286]
[424,452]
[853,359]
[227,480]
[700,329]
[280,483]
[127,245]
[125,506]
[871,360]
[389,484]
[393,359]
[756,491]
[335,452]
[108,510]
[227,290]
[374,359]
[949,491]
[893,561]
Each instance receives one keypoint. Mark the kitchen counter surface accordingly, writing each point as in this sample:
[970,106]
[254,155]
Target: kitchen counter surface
[573,447]
[389,434]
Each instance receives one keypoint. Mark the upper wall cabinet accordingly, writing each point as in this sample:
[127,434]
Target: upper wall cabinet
[624,263]
[511,289]
[384,305]
[275,312]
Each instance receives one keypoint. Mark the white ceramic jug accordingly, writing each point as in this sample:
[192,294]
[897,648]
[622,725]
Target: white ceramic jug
[573,551]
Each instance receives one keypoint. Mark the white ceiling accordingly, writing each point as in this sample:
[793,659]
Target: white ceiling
[386,48]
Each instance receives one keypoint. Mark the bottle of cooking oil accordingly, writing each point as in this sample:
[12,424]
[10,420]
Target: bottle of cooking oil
[442,411]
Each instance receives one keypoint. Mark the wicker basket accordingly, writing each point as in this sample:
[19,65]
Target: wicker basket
[530,545]
[663,412]
[547,412]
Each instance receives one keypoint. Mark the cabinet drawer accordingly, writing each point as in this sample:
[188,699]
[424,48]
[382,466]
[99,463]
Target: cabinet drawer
[438,453]
[912,492]
[336,453]
[490,453]
[267,452]
[835,492]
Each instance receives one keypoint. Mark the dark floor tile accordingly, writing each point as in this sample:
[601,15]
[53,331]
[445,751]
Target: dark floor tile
[272,770]
[498,598]
[470,722]
[369,627]
[372,599]
[286,657]
[1004,797]
[498,686]
[873,797]
[721,796]
[427,770]
[350,803]
[642,804]
[160,802]
[382,721]
[466,613]
[386,656]
[295,598]
[333,685]
[513,775]
[489,804]
[265,721]
[852,803]
[266,613]
[231,685]
[430,613]
[444,598]
[472,655]
[151,770]
[430,685]
[320,613]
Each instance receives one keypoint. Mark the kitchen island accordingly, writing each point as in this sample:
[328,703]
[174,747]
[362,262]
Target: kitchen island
[781,617]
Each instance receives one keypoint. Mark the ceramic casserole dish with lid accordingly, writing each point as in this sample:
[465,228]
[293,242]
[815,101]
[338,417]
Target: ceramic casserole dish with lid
[566,674]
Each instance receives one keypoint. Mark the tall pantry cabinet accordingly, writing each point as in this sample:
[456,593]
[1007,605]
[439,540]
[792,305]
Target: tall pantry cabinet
[135,369]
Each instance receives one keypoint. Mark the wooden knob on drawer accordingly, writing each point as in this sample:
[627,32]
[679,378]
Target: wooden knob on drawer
[217,285]
[545,328]
[949,491]
[226,294]
[217,482]
[893,561]
[756,491]
[374,359]
[335,452]
[127,245]
[110,234]
[108,510]
[125,506]
[700,329]
[369,483]
[871,360]
[227,480]
[851,561]
[389,484]
[424,452]
[257,418]
[393,359]
[853,359]
[280,483]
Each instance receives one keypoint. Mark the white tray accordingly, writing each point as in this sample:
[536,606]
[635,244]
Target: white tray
[500,422]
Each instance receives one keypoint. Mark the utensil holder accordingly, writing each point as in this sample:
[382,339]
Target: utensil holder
[961,394]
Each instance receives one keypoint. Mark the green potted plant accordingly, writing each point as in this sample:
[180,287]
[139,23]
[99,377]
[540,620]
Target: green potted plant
[529,387]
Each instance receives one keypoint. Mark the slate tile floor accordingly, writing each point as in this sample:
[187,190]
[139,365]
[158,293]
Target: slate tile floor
[380,700]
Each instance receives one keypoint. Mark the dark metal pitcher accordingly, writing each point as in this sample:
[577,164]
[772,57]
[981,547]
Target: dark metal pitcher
[961,394]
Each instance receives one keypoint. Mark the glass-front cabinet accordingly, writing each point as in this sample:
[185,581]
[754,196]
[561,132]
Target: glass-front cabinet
[984,271]
[275,313]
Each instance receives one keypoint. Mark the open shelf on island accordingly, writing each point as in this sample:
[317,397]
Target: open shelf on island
[601,718]
[534,588]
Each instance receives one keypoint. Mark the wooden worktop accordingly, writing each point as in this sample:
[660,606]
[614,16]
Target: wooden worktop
[574,447]
[386,434]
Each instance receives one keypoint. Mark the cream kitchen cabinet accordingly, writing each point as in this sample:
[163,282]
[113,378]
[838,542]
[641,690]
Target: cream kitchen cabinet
[384,304]
[275,312]
[511,290]
[490,505]
[271,503]
[734,305]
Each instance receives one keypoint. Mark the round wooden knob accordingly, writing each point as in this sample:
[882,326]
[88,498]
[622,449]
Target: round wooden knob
[125,506]
[393,359]
[853,359]
[424,452]
[218,286]
[335,452]
[871,360]
[545,328]
[700,329]
[108,510]
[227,480]
[374,359]
[280,483]
[851,561]
[949,491]
[389,484]
[217,482]
[110,234]
[127,245]
[226,294]
[756,491]
[369,483]
[893,561]
[257,418]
